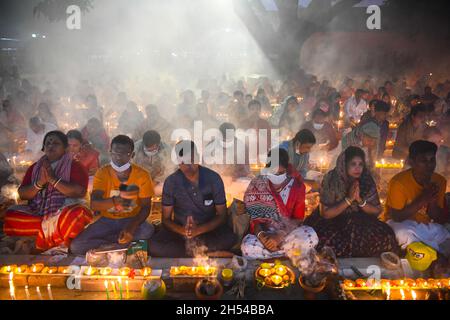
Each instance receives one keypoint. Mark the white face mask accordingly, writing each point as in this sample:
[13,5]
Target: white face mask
[277,179]
[150,153]
[123,168]
[318,126]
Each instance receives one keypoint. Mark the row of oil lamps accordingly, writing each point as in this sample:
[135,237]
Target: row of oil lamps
[40,268]
[192,271]
[389,165]
[420,283]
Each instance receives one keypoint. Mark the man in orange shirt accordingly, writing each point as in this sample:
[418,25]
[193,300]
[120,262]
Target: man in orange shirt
[415,207]
[122,193]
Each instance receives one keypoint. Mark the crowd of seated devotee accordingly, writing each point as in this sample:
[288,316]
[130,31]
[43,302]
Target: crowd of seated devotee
[97,158]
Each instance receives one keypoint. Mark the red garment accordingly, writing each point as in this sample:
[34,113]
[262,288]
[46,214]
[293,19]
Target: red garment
[88,157]
[295,205]
[71,222]
[78,175]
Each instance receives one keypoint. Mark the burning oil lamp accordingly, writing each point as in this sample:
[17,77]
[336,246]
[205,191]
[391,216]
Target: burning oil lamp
[147,271]
[265,272]
[23,268]
[105,271]
[183,269]
[422,283]
[8,269]
[174,271]
[50,270]
[410,283]
[125,271]
[192,271]
[445,282]
[276,279]
[281,270]
[360,282]
[349,283]
[209,270]
[63,270]
[90,271]
[36,268]
[432,283]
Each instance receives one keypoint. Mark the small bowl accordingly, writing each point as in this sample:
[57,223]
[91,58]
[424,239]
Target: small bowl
[312,289]
[215,296]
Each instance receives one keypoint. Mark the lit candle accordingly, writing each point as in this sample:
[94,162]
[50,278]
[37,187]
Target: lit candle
[12,291]
[49,290]
[90,271]
[120,287]
[114,288]
[127,288]
[38,291]
[388,291]
[27,292]
[106,289]
[402,293]
[413,295]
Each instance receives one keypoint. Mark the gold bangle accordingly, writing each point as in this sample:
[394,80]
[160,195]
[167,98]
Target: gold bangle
[348,201]
[38,186]
[54,186]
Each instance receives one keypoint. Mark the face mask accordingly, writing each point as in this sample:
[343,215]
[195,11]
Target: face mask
[123,168]
[150,153]
[318,126]
[276,179]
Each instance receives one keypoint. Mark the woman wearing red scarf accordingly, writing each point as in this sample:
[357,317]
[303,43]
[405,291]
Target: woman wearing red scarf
[53,186]
[275,201]
[83,152]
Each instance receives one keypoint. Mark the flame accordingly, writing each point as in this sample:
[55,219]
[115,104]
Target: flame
[402,293]
[413,295]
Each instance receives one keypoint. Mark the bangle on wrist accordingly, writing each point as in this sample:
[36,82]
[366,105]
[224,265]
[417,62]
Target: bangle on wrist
[362,205]
[38,186]
[54,184]
[259,233]
[349,202]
